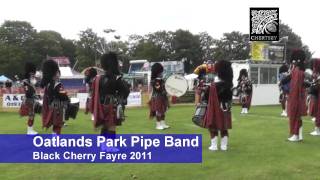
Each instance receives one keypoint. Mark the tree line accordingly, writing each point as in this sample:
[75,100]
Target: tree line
[20,42]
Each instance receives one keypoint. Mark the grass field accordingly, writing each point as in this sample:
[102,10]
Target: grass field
[257,150]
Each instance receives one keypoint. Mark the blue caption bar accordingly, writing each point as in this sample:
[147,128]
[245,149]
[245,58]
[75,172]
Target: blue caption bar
[122,148]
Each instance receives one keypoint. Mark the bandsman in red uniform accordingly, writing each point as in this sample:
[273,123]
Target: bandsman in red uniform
[205,74]
[108,93]
[28,105]
[297,95]
[218,114]
[89,74]
[315,100]
[245,91]
[55,99]
[158,103]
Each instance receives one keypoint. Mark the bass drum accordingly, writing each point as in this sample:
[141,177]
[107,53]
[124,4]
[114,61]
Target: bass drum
[72,109]
[176,85]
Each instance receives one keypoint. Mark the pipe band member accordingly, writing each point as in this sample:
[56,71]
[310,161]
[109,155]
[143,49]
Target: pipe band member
[218,114]
[158,103]
[108,90]
[297,96]
[206,75]
[245,91]
[315,100]
[313,91]
[28,105]
[55,99]
[284,89]
[90,75]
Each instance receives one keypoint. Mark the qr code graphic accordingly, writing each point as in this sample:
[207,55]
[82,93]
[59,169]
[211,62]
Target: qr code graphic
[264,22]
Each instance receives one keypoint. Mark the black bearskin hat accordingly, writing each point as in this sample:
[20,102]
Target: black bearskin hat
[298,57]
[109,63]
[28,69]
[284,68]
[90,73]
[156,70]
[243,72]
[224,70]
[49,70]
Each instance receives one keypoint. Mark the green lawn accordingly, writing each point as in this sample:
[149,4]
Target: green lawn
[257,150]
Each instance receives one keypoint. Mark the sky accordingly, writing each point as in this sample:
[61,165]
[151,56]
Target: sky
[69,17]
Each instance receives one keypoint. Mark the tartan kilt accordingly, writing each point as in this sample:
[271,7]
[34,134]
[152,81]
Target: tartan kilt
[158,106]
[27,107]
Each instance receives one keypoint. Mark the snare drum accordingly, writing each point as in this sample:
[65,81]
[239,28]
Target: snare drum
[72,108]
[38,107]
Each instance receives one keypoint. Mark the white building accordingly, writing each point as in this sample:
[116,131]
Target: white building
[264,75]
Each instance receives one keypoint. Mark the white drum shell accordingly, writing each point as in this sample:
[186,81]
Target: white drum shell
[176,85]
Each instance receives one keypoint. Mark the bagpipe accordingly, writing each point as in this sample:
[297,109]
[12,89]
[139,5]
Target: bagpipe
[243,87]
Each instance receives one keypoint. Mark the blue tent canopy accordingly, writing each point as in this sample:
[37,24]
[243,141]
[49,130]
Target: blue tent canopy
[4,78]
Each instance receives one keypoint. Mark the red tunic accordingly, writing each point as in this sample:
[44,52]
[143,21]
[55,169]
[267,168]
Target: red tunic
[317,111]
[51,115]
[104,115]
[297,95]
[27,108]
[215,118]
[313,105]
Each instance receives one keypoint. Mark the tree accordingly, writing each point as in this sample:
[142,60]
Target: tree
[12,60]
[207,44]
[20,42]
[294,40]
[48,43]
[69,49]
[232,46]
[186,46]
[16,46]
[146,50]
[18,33]
[155,46]
[163,40]
[87,49]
